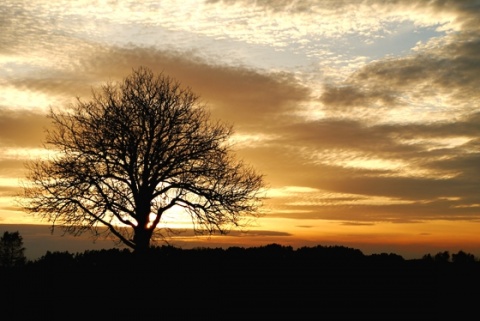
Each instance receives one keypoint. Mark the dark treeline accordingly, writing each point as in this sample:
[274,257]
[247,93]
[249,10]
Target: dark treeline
[270,280]
[272,253]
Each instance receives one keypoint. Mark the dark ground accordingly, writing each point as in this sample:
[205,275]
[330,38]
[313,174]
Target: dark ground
[271,282]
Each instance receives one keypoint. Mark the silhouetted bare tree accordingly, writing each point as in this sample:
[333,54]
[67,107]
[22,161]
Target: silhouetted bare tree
[138,149]
[12,252]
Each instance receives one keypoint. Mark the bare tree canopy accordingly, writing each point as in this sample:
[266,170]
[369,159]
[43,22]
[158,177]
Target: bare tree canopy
[138,149]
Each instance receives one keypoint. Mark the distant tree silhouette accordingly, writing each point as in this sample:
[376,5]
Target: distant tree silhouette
[331,253]
[442,257]
[12,252]
[427,258]
[138,149]
[387,257]
[462,257]
[56,260]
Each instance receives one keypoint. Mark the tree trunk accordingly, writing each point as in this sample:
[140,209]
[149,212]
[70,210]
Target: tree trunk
[142,239]
[143,233]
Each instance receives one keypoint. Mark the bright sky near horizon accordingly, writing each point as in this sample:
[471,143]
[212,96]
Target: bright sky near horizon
[364,116]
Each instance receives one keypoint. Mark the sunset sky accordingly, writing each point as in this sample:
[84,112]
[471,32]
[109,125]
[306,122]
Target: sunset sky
[364,116]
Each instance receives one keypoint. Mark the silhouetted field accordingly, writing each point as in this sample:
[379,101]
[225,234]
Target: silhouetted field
[256,283]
